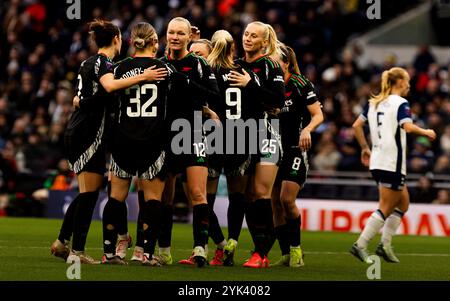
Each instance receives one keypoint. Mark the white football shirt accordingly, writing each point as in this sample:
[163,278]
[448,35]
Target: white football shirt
[387,135]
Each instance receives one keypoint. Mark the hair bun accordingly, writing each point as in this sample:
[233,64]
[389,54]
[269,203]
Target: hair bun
[139,43]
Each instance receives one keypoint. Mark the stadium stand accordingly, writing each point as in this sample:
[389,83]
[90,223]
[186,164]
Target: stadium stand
[41,50]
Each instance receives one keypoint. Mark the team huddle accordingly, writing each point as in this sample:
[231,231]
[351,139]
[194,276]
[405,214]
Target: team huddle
[132,111]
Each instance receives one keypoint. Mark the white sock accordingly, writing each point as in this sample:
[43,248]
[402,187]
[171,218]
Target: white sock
[373,226]
[164,250]
[390,227]
[139,249]
[222,244]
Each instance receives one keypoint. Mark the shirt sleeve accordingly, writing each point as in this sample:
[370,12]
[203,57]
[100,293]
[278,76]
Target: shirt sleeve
[365,112]
[404,113]
[103,66]
[272,90]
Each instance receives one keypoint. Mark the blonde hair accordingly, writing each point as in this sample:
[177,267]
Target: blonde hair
[273,49]
[184,20]
[204,42]
[142,35]
[222,43]
[388,79]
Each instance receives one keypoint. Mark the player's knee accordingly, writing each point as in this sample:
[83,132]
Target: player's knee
[261,191]
[197,195]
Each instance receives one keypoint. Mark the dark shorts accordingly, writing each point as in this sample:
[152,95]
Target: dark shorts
[270,150]
[294,167]
[389,179]
[231,165]
[93,159]
[130,157]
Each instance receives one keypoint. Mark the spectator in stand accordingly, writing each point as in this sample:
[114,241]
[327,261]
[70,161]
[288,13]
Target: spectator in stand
[421,157]
[443,197]
[424,192]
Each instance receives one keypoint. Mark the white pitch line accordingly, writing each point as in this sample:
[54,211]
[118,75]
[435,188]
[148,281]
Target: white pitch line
[306,252]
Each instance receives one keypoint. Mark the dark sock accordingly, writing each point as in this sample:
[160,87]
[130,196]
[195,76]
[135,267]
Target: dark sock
[215,232]
[165,237]
[263,223]
[282,234]
[152,217]
[294,230]
[200,224]
[122,223]
[250,210]
[235,215]
[67,226]
[82,219]
[111,218]
[140,221]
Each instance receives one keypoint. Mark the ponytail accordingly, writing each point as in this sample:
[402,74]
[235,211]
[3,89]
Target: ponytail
[273,49]
[288,57]
[220,56]
[388,79]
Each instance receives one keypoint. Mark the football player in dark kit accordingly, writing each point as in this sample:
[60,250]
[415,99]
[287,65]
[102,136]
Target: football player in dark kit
[136,147]
[194,164]
[299,117]
[236,104]
[85,136]
[260,43]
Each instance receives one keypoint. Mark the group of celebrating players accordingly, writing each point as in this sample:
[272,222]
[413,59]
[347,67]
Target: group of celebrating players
[128,110]
[150,94]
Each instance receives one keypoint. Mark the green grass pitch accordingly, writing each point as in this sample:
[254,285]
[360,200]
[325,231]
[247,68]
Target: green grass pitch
[25,255]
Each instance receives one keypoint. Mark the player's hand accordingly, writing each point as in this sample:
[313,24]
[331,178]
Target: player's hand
[305,140]
[195,33]
[152,74]
[76,102]
[210,114]
[365,156]
[273,111]
[431,134]
[239,80]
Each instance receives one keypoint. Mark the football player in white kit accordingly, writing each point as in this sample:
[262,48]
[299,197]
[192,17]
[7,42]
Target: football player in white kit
[389,118]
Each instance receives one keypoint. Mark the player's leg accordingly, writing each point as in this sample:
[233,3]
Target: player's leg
[215,231]
[87,193]
[391,225]
[288,195]
[138,252]
[280,227]
[115,220]
[261,213]
[89,184]
[165,235]
[152,214]
[196,184]
[389,199]
[235,215]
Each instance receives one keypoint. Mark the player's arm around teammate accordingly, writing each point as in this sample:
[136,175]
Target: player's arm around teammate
[194,165]
[257,39]
[85,135]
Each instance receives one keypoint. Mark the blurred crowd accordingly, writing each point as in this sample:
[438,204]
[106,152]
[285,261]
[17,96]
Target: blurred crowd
[41,50]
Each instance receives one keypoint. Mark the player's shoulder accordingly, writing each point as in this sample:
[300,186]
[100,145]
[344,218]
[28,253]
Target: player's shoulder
[271,63]
[300,82]
[397,100]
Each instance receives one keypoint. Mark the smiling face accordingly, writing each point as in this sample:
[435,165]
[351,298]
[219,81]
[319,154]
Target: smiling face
[254,40]
[178,35]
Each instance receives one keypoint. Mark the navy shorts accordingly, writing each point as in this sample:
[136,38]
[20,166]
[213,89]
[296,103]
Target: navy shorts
[389,179]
